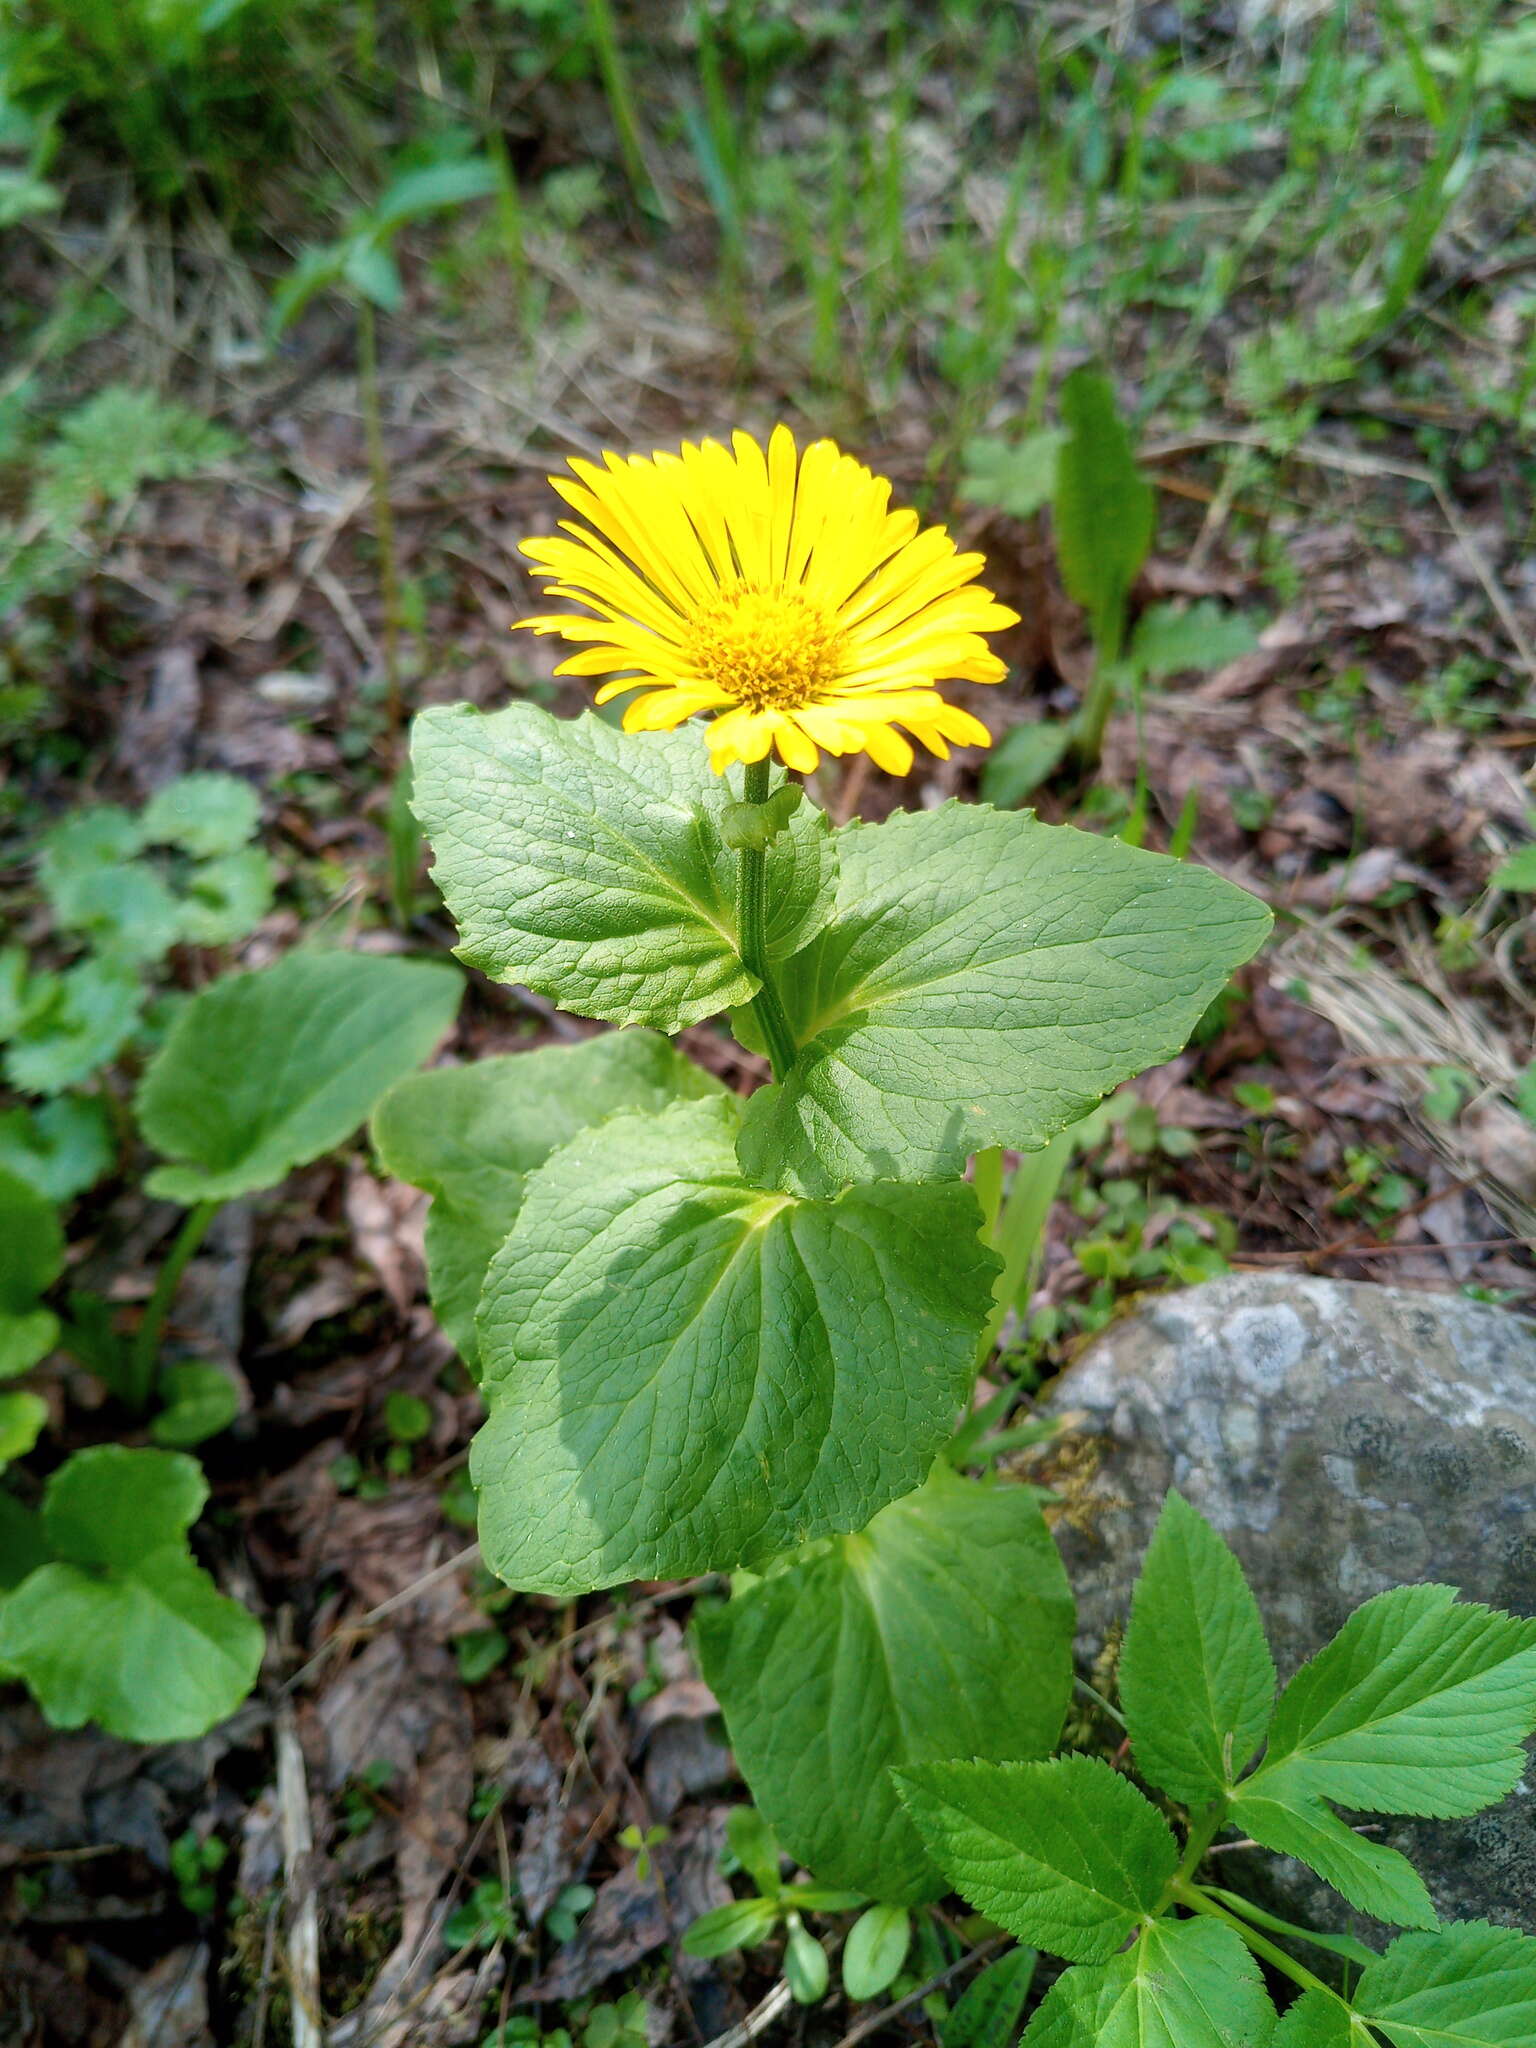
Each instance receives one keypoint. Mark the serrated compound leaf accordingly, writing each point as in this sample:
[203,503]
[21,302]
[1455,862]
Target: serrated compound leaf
[204,814]
[1419,1705]
[1183,1984]
[1468,1986]
[263,1072]
[835,1669]
[875,1950]
[1318,2020]
[1104,510]
[1374,1878]
[1066,1855]
[588,863]
[60,1148]
[988,2011]
[986,980]
[1196,1678]
[688,1373]
[121,1627]
[470,1136]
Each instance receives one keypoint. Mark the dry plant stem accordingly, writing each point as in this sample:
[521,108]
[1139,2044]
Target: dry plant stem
[383,515]
[752,909]
[145,1355]
[303,1943]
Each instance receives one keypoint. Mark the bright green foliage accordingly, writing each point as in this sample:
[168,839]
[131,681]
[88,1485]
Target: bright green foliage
[59,1148]
[203,814]
[22,1417]
[1518,873]
[471,1135]
[1375,1879]
[1018,477]
[875,1950]
[70,1024]
[1066,1855]
[588,863]
[988,2012]
[122,1627]
[200,1402]
[1469,1986]
[226,897]
[843,1664]
[1418,1705]
[986,980]
[1196,1678]
[1319,2020]
[1185,1984]
[686,1372]
[263,1072]
[23,1546]
[1202,636]
[1104,509]
[31,1259]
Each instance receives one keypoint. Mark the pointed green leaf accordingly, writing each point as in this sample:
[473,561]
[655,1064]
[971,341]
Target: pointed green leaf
[1318,2020]
[988,2011]
[843,1664]
[875,1950]
[1105,512]
[688,1373]
[1469,1986]
[123,1628]
[471,1136]
[986,980]
[1066,1855]
[263,1072]
[22,1417]
[1420,1705]
[1374,1878]
[1196,1677]
[588,863]
[1184,1984]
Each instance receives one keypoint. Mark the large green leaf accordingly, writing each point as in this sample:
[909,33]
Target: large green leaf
[1104,509]
[1196,1677]
[1374,1878]
[1420,1705]
[1469,1986]
[986,980]
[587,863]
[1184,1984]
[686,1373]
[263,1072]
[122,1627]
[1066,1855]
[471,1136]
[31,1259]
[844,1664]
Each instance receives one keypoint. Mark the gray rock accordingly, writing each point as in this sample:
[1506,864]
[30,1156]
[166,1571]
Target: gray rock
[1343,1439]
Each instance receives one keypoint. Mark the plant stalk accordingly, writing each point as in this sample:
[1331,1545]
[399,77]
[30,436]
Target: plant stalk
[383,512]
[752,920]
[145,1355]
[1197,1901]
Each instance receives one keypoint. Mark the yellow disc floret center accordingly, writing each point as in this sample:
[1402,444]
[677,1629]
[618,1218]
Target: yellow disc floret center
[773,649]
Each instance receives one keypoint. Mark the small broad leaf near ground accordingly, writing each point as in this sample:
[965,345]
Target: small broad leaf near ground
[263,1072]
[875,1950]
[471,1136]
[121,1626]
[1183,1984]
[1196,1678]
[986,980]
[843,1664]
[1067,1855]
[588,863]
[686,1372]
[988,2011]
[31,1259]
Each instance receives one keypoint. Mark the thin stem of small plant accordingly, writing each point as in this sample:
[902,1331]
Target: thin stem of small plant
[752,921]
[145,1355]
[383,513]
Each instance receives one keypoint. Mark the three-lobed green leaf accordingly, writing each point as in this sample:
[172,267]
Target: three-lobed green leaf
[588,863]
[1197,1681]
[686,1372]
[263,1072]
[120,1626]
[471,1136]
[1183,1984]
[850,1660]
[986,980]
[1066,1855]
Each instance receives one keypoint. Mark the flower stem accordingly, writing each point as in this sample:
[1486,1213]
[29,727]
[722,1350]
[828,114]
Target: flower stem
[752,919]
[145,1355]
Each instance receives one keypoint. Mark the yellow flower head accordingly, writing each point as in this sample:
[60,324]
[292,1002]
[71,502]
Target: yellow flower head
[775,590]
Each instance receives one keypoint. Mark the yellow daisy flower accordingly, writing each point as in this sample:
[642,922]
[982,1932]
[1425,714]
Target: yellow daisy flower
[775,590]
